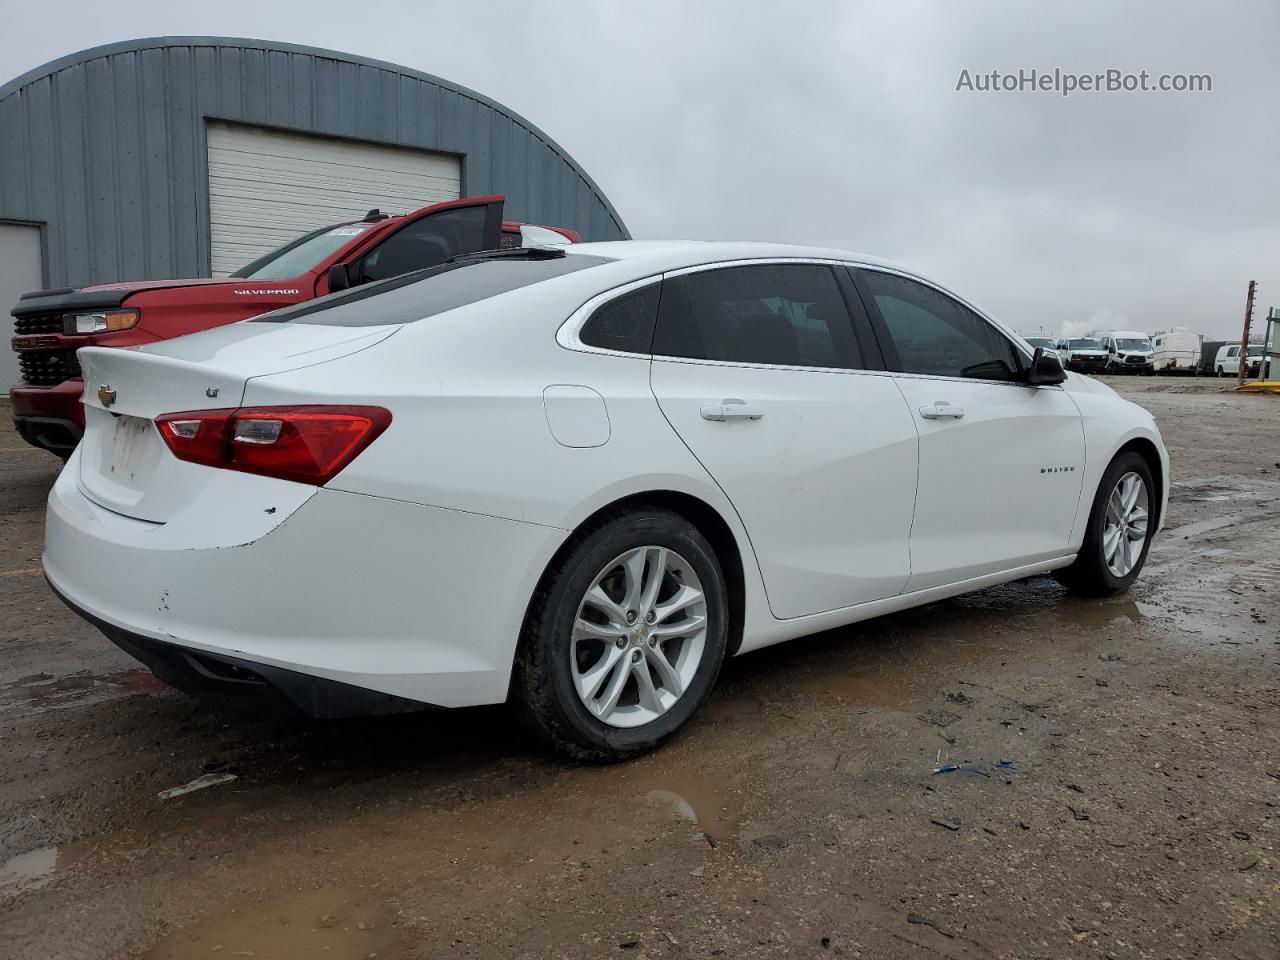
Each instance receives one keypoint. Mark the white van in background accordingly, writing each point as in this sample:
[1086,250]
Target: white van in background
[1128,351]
[1227,362]
[1175,351]
[1082,354]
[1048,344]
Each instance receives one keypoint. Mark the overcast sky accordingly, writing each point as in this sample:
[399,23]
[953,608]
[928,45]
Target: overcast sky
[840,124]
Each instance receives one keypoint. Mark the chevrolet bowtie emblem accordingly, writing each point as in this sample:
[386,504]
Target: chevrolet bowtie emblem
[106,396]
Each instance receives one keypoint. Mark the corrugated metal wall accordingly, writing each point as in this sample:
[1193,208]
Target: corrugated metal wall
[107,146]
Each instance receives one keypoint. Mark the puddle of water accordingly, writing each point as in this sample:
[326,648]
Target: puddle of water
[44,691]
[1200,527]
[497,825]
[30,870]
[33,869]
[1095,613]
[336,924]
[695,800]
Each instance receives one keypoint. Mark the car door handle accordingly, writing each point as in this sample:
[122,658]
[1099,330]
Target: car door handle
[731,409]
[941,411]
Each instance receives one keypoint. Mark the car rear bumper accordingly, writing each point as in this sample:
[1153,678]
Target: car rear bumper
[401,601]
[50,418]
[245,685]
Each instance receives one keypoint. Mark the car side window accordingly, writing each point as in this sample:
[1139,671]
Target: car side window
[939,336]
[785,314]
[624,323]
[427,242]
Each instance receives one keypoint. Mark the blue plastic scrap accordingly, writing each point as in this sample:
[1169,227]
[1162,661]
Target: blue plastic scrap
[977,769]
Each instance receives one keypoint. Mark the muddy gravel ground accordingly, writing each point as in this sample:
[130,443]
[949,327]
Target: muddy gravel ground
[1118,792]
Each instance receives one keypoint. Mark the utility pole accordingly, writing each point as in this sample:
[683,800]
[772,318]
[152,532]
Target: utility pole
[1244,339]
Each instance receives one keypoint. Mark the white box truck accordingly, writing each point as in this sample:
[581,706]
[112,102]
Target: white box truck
[1175,351]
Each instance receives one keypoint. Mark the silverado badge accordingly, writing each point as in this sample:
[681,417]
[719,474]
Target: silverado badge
[106,396]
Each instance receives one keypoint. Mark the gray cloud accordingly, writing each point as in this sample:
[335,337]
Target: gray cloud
[839,124]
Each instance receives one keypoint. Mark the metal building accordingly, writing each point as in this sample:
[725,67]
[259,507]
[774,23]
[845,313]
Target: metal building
[190,156]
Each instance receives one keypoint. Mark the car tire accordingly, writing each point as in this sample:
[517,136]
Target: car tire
[557,651]
[1094,573]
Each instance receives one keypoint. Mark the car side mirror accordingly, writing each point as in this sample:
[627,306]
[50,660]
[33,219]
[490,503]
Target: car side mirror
[1046,369]
[339,278]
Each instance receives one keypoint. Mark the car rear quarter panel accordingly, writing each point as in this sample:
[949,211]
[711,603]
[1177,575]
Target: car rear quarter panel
[470,432]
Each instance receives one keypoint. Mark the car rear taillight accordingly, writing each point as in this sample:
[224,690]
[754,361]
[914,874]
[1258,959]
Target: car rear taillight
[310,444]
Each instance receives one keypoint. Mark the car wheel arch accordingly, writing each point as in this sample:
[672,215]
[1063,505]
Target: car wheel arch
[1146,449]
[710,523]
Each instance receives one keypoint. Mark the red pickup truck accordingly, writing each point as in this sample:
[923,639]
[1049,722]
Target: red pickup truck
[50,325]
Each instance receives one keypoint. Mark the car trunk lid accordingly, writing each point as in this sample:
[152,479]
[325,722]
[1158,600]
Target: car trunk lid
[125,465]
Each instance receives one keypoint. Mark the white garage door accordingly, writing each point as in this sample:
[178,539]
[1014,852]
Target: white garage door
[267,187]
[20,271]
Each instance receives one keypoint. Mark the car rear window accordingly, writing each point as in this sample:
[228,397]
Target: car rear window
[425,293]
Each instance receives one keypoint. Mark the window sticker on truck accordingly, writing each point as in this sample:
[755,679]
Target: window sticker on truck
[352,230]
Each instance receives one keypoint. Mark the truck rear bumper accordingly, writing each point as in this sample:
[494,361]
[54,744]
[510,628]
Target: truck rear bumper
[50,418]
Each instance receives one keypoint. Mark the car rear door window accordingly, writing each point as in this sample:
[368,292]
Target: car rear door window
[427,242]
[784,314]
[625,323]
[936,335]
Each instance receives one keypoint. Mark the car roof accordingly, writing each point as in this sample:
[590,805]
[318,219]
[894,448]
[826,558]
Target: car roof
[642,258]
[696,252]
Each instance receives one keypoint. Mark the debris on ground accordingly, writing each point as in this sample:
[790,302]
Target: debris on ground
[976,767]
[926,922]
[951,823]
[1077,814]
[199,783]
[939,718]
[770,841]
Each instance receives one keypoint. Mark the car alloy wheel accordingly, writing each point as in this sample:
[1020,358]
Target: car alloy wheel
[624,636]
[639,636]
[1124,531]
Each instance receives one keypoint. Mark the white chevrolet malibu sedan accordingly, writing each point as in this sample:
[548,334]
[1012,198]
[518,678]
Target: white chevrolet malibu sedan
[579,478]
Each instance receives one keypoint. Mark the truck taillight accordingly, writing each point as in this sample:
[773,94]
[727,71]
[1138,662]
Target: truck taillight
[306,444]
